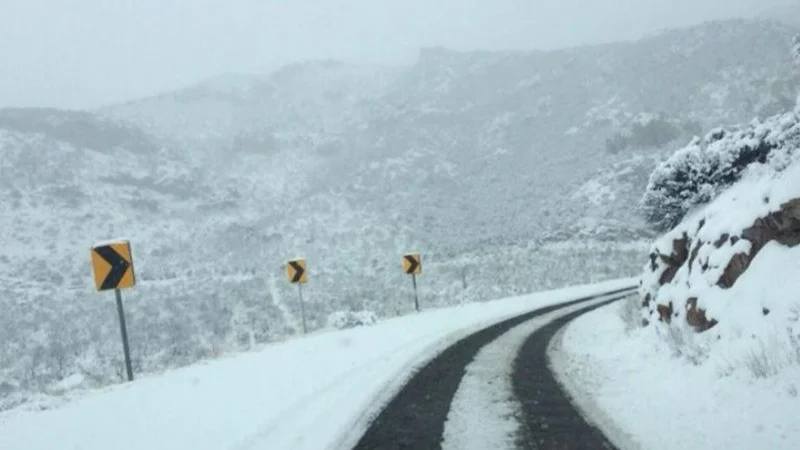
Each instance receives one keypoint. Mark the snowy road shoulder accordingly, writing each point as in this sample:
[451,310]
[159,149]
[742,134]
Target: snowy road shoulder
[629,383]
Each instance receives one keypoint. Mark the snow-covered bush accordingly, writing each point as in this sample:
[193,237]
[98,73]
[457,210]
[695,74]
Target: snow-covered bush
[630,313]
[684,344]
[769,357]
[697,173]
[796,50]
[650,131]
[350,319]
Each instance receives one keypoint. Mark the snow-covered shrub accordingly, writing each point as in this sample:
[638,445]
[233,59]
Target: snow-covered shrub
[768,355]
[796,50]
[350,319]
[684,344]
[697,173]
[650,131]
[630,313]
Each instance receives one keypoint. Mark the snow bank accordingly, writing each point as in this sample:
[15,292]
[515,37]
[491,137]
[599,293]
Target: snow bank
[627,381]
[307,393]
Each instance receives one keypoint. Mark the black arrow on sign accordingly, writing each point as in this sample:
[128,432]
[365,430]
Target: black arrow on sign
[298,271]
[413,264]
[119,266]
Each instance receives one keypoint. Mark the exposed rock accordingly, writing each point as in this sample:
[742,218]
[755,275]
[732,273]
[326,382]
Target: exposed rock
[735,268]
[674,261]
[696,317]
[718,243]
[665,313]
[693,256]
[781,226]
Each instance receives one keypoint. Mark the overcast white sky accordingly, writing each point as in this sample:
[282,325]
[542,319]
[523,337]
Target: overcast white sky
[85,53]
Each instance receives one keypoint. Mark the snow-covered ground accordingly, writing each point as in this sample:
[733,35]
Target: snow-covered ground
[743,394]
[315,392]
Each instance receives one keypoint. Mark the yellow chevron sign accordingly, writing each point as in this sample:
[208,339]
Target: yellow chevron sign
[296,271]
[112,265]
[412,264]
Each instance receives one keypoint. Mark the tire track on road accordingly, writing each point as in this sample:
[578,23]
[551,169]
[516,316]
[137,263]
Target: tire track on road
[550,420]
[416,416]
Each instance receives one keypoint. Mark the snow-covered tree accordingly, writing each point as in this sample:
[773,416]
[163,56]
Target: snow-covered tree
[695,174]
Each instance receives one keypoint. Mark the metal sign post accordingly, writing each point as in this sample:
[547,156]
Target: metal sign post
[302,307]
[124,331]
[416,295]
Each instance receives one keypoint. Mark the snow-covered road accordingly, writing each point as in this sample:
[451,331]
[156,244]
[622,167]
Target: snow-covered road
[313,392]
[485,413]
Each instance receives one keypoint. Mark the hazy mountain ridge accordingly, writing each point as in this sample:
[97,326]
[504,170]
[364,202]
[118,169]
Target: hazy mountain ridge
[298,98]
[485,162]
[79,128]
[542,118]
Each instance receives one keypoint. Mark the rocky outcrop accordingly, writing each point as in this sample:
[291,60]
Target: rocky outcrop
[782,226]
[690,260]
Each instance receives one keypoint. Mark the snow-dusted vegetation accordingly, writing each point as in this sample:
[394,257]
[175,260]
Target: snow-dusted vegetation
[494,165]
[697,173]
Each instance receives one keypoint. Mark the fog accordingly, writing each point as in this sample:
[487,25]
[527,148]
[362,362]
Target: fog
[87,53]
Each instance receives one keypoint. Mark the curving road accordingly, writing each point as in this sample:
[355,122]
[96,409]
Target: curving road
[417,416]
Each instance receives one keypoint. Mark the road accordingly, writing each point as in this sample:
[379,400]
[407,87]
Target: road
[417,416]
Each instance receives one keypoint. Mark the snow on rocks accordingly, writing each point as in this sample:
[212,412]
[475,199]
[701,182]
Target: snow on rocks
[709,252]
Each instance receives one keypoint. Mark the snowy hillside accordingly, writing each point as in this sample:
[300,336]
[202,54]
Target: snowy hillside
[431,138]
[723,320]
[511,172]
[718,308]
[209,254]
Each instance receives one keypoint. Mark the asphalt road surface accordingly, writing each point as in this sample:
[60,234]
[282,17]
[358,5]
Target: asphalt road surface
[415,418]
[549,420]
